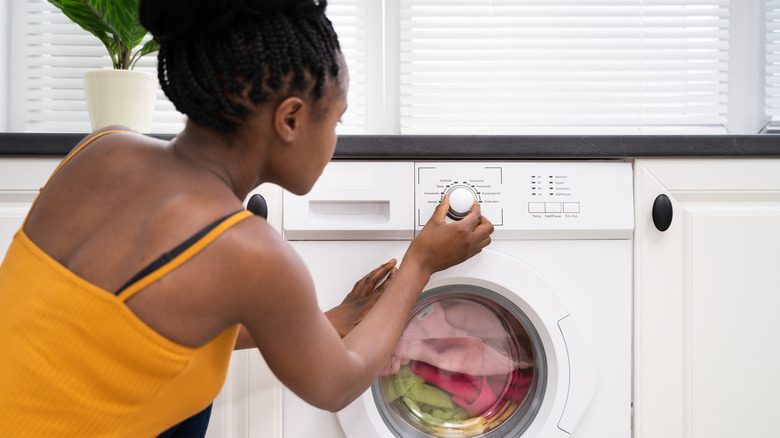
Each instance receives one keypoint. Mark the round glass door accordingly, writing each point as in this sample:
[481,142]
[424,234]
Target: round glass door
[469,364]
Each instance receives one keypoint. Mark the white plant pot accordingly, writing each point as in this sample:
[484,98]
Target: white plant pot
[121,97]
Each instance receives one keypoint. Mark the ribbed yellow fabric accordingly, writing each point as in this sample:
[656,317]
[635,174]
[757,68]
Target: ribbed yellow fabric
[76,362]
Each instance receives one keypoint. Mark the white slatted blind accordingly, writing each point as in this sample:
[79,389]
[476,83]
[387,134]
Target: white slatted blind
[562,66]
[58,52]
[349,21]
[773,60]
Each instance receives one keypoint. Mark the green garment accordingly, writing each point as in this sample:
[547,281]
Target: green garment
[432,405]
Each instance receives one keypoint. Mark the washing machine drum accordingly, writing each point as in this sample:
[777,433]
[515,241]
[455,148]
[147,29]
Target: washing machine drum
[465,366]
[475,360]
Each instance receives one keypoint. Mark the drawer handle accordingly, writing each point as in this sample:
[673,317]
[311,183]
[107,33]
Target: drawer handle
[662,212]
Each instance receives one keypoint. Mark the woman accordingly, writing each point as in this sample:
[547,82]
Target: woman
[103,336]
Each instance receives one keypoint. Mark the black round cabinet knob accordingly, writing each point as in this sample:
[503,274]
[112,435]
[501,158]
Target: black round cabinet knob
[258,206]
[662,212]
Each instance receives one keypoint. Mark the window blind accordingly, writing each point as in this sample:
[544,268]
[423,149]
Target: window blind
[57,52]
[773,61]
[349,21]
[561,66]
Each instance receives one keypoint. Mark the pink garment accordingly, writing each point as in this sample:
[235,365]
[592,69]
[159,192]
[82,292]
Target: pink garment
[457,335]
[476,394]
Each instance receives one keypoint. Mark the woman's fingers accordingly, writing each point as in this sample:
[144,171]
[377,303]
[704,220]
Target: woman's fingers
[367,284]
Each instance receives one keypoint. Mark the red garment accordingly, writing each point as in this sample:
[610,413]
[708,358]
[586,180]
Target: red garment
[477,394]
[457,335]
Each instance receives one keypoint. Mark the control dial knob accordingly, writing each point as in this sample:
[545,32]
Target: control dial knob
[461,200]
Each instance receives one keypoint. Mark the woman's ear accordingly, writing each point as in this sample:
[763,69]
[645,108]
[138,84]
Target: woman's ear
[287,118]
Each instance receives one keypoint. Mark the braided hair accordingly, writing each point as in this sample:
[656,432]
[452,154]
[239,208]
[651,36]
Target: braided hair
[216,55]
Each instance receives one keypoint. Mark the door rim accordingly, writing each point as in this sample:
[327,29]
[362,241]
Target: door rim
[529,292]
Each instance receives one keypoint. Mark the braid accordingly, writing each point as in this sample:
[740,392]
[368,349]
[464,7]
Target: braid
[276,50]
[210,100]
[258,69]
[323,46]
[294,56]
[201,94]
[272,53]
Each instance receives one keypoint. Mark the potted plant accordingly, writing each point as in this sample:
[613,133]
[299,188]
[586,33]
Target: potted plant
[120,95]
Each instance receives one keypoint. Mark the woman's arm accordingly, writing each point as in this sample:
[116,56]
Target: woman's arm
[351,311]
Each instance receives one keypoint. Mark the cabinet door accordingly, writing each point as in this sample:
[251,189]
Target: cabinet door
[14,206]
[20,181]
[707,295]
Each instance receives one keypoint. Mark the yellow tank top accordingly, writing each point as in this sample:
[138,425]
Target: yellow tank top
[76,362]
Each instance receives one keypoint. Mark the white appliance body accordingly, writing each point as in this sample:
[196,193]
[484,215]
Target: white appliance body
[561,256]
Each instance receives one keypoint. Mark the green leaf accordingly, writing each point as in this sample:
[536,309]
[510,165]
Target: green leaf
[84,16]
[149,47]
[114,22]
[122,17]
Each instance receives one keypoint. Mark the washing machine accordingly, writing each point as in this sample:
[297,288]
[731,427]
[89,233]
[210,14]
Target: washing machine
[529,338]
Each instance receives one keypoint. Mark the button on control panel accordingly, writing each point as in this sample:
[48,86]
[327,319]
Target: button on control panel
[554,207]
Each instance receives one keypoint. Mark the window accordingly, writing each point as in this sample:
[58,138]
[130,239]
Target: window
[473,67]
[773,63]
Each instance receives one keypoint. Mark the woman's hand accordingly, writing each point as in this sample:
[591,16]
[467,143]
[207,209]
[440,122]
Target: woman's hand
[440,245]
[359,302]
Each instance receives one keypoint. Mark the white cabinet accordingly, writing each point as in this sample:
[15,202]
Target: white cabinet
[20,181]
[707,297]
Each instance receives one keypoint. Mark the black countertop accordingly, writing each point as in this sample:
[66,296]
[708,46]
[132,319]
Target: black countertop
[458,147]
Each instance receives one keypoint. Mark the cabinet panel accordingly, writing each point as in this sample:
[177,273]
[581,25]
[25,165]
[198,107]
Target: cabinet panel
[13,209]
[706,294]
[734,297]
[20,181]
[23,173]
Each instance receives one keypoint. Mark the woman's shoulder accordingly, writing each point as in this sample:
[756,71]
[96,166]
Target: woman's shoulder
[255,238]
[257,250]
[105,146]
[115,134]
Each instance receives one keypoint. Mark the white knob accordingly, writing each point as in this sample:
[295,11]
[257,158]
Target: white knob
[461,200]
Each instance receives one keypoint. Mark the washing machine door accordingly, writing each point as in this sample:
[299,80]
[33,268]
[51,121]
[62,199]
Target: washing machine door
[490,350]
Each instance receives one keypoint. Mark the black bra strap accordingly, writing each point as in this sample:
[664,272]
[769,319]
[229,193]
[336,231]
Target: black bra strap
[170,255]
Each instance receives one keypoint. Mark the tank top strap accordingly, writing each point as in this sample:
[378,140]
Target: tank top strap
[64,162]
[187,254]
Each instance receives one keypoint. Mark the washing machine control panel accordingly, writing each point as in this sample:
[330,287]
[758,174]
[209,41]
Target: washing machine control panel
[524,199]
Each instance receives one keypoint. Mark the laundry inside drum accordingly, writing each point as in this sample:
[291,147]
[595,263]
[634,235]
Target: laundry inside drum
[467,365]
